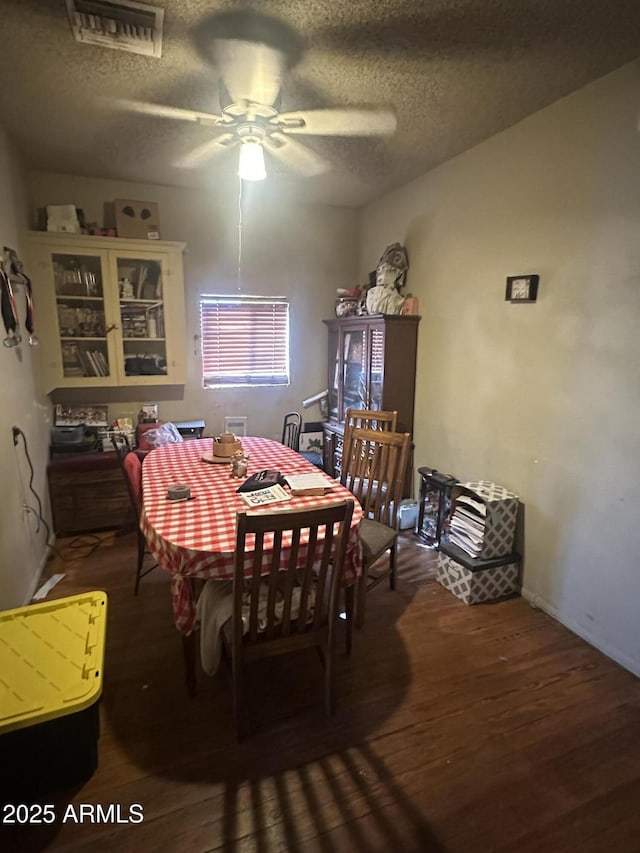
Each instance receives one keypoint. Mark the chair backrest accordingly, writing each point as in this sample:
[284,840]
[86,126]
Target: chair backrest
[371,419]
[381,419]
[143,445]
[132,470]
[374,463]
[291,430]
[290,589]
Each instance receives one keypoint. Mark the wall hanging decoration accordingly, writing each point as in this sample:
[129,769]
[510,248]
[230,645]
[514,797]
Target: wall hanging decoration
[11,274]
[522,288]
[9,311]
[16,275]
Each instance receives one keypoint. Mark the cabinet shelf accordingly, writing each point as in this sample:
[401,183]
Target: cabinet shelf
[82,338]
[66,297]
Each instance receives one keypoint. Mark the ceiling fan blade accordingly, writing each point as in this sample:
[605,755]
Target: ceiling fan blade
[250,71]
[207,150]
[347,121]
[296,155]
[162,111]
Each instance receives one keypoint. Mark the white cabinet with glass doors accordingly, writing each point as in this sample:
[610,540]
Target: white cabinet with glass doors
[109,311]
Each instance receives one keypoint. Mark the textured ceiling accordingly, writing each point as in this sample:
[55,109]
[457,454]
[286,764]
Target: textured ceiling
[455,71]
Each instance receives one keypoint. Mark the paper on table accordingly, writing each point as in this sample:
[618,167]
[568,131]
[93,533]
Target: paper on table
[307,484]
[271,495]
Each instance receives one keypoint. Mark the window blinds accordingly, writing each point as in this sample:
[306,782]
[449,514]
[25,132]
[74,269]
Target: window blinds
[245,340]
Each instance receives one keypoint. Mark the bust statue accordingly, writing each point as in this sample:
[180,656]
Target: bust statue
[391,274]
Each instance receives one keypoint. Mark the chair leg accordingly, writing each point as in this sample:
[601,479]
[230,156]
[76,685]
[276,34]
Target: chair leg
[392,564]
[238,698]
[362,597]
[141,552]
[189,648]
[329,681]
[349,606]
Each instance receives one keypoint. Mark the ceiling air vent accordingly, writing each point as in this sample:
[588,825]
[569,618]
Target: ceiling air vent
[120,24]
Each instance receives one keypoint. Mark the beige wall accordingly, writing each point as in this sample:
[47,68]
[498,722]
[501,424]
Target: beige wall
[298,251]
[540,398]
[22,534]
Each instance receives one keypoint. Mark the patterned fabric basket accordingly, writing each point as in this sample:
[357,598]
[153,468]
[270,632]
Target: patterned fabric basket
[475,581]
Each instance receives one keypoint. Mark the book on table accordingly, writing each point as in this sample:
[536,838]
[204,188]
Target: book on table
[263,497]
[307,484]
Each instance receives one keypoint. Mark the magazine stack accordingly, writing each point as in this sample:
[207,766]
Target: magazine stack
[477,562]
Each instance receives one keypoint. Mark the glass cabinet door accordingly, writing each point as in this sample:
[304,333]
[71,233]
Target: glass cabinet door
[354,365]
[376,369]
[142,315]
[80,306]
[334,374]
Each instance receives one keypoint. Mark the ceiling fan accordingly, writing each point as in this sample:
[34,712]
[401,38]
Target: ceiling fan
[252,54]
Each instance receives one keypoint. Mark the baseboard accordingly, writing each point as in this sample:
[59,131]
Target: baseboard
[35,583]
[623,659]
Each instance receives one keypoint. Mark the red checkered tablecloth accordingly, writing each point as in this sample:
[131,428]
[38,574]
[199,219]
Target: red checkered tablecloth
[196,538]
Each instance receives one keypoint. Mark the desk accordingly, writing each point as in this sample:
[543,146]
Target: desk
[197,538]
[87,492]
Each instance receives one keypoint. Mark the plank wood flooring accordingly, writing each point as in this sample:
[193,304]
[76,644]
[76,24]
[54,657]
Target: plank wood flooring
[485,728]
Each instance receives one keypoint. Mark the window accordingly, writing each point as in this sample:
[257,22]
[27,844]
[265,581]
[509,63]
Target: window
[245,340]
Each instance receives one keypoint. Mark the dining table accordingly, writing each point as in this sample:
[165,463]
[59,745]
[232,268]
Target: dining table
[196,538]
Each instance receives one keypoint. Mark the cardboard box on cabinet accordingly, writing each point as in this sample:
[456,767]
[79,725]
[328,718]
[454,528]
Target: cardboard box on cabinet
[137,220]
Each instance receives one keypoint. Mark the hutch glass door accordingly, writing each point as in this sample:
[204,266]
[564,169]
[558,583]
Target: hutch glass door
[81,315]
[354,388]
[142,315]
[376,369]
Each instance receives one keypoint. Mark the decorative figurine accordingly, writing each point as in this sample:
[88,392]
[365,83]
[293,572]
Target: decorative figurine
[391,275]
[239,465]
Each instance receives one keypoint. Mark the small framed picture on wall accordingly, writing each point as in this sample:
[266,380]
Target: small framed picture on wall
[522,288]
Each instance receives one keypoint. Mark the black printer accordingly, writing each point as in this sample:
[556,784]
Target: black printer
[73,439]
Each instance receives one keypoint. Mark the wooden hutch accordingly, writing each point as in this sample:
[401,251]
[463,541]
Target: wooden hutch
[372,365]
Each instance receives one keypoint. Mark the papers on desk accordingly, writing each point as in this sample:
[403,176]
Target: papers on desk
[307,484]
[262,497]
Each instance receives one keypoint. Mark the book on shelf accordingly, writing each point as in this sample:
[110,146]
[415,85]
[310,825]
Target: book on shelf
[94,361]
[102,361]
[85,362]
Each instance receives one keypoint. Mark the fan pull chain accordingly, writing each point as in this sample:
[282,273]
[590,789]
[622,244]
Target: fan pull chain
[239,234]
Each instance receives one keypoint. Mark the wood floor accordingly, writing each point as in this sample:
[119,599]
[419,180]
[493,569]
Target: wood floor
[486,728]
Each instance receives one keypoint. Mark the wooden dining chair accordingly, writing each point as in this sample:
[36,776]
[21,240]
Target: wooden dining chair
[374,463]
[280,608]
[291,430]
[131,467]
[380,419]
[372,419]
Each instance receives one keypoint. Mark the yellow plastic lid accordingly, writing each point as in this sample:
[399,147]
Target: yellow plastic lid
[51,659]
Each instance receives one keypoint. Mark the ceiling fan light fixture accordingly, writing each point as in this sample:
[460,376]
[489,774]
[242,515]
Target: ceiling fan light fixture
[251,164]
